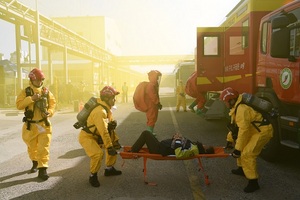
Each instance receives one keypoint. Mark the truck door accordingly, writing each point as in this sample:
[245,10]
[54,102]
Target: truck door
[210,58]
[238,61]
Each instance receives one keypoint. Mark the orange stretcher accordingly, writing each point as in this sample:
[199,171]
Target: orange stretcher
[144,153]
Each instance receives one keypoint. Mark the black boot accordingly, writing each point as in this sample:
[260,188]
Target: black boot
[239,171]
[34,166]
[192,109]
[43,173]
[94,180]
[117,145]
[252,186]
[112,172]
[229,145]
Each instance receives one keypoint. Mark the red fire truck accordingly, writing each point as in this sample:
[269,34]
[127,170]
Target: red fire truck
[257,50]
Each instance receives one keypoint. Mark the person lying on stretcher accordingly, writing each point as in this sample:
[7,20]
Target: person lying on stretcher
[179,146]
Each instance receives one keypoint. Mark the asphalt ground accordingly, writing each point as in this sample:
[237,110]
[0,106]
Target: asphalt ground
[69,166]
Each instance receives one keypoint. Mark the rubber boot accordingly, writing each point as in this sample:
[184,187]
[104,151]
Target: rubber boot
[112,172]
[199,112]
[94,180]
[229,145]
[150,129]
[117,145]
[252,186]
[43,173]
[34,166]
[191,107]
[239,171]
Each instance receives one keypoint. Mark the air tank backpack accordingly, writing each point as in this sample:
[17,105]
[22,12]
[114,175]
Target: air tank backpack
[84,114]
[260,105]
[139,97]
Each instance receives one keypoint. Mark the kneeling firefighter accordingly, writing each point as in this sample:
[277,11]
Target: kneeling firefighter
[252,135]
[39,104]
[100,133]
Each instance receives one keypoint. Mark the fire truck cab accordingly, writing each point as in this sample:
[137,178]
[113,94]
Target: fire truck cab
[256,50]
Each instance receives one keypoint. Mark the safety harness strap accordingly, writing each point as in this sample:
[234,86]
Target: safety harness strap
[87,128]
[35,121]
[29,92]
[264,121]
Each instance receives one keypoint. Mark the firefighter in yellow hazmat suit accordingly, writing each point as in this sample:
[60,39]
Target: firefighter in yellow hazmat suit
[252,135]
[39,104]
[181,100]
[101,134]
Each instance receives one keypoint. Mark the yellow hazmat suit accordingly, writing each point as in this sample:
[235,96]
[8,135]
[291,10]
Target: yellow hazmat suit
[36,133]
[99,117]
[249,141]
[181,100]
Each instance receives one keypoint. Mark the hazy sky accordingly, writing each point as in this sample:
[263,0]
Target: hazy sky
[148,27]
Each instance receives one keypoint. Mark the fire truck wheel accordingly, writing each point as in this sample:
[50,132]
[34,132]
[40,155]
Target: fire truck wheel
[272,148]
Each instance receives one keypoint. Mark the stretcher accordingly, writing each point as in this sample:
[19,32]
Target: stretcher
[144,153]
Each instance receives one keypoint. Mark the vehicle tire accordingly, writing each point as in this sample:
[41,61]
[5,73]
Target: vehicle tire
[272,148]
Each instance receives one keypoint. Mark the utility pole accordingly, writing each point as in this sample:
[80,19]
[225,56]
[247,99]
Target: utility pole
[37,39]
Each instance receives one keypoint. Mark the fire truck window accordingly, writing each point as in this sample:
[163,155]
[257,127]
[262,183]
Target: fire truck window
[295,42]
[235,45]
[245,33]
[211,46]
[264,35]
[295,32]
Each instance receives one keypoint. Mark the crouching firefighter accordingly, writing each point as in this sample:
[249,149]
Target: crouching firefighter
[250,132]
[38,104]
[99,134]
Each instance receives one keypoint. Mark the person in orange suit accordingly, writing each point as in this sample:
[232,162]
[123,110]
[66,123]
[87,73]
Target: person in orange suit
[152,99]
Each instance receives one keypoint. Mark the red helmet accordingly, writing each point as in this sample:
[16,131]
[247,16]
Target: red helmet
[228,94]
[36,74]
[108,91]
